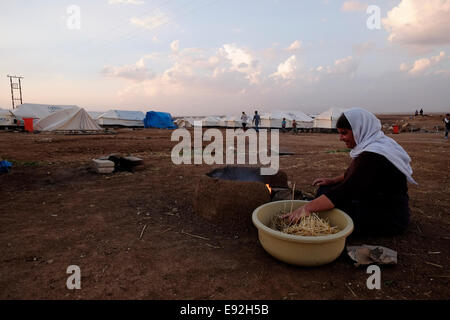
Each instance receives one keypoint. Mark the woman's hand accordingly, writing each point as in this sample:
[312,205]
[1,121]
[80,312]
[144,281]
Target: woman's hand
[323,182]
[296,215]
[319,204]
[328,181]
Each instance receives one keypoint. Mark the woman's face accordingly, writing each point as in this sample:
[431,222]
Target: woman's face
[346,135]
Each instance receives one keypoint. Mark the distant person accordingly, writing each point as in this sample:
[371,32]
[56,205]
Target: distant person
[373,190]
[283,125]
[421,112]
[256,120]
[417,113]
[447,125]
[244,119]
[294,127]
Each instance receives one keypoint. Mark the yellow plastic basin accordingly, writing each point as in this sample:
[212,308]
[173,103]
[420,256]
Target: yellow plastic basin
[301,250]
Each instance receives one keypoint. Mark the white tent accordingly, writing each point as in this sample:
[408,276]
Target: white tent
[195,121]
[303,120]
[184,123]
[6,118]
[122,118]
[38,111]
[66,120]
[234,122]
[95,114]
[265,120]
[229,122]
[222,121]
[327,119]
[274,119]
[210,121]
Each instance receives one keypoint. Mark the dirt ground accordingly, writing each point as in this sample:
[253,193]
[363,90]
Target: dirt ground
[136,235]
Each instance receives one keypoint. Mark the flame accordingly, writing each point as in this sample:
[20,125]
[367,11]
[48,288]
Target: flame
[269,188]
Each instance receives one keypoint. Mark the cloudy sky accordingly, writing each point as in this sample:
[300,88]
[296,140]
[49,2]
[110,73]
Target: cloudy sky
[203,57]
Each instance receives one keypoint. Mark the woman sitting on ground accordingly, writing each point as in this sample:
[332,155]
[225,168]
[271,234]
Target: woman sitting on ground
[373,190]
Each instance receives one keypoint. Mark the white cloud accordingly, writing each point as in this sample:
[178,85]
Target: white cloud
[353,6]
[296,45]
[363,48]
[320,69]
[242,61]
[418,23]
[190,64]
[151,22]
[175,46]
[126,2]
[404,67]
[137,72]
[191,68]
[342,66]
[345,66]
[227,70]
[286,70]
[420,66]
[186,77]
[433,65]
[213,60]
[160,85]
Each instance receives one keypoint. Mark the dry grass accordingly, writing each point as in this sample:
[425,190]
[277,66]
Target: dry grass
[311,225]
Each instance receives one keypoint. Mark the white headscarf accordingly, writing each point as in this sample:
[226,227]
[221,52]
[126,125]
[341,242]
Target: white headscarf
[369,137]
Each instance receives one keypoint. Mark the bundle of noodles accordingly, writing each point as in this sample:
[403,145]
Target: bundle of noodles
[311,225]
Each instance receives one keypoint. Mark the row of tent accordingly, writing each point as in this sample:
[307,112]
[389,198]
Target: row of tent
[74,118]
[119,118]
[326,120]
[48,117]
[70,117]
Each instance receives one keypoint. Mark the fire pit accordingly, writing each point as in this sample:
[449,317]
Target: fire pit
[227,196]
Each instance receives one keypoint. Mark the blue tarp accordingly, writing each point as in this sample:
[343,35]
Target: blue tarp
[5,166]
[161,120]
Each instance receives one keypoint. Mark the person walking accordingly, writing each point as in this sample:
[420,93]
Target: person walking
[256,120]
[283,125]
[244,119]
[447,125]
[294,127]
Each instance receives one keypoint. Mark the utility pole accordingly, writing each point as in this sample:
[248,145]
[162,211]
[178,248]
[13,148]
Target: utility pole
[15,86]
